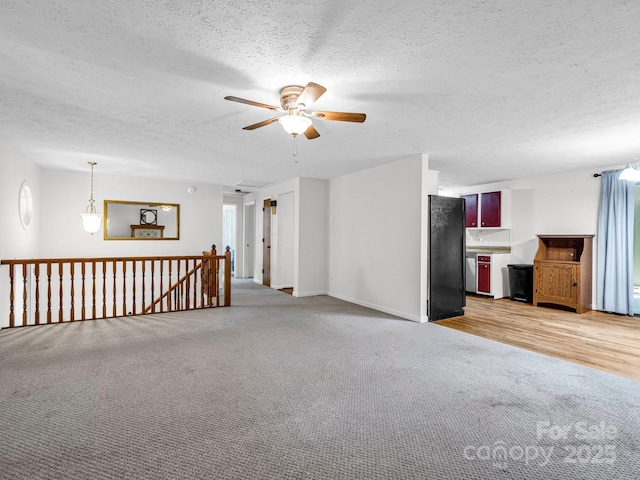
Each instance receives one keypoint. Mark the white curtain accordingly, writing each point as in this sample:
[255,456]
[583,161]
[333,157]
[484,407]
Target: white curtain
[615,244]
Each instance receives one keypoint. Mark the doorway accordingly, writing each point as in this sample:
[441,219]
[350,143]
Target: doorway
[266,242]
[229,218]
[249,233]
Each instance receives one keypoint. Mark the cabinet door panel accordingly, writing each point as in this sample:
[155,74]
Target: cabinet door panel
[484,277]
[471,210]
[490,206]
[557,283]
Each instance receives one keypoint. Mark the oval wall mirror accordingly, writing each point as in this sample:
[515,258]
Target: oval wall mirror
[25,205]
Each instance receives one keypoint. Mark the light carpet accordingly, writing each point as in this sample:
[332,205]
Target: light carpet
[278,387]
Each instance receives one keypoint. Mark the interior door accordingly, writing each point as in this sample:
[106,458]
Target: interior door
[266,243]
[446,257]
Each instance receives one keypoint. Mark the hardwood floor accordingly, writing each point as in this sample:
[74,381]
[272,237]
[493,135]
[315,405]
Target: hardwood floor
[595,339]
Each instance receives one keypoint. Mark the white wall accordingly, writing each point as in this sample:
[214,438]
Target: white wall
[312,252]
[15,241]
[377,237]
[284,241]
[66,195]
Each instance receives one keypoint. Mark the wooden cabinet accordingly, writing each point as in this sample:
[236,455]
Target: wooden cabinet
[484,274]
[562,271]
[490,274]
[483,210]
[490,209]
[471,210]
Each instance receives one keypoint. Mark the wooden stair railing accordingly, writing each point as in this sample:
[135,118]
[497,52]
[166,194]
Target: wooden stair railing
[210,268]
[177,290]
[57,290]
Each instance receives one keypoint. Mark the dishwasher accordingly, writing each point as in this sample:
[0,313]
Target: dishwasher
[470,272]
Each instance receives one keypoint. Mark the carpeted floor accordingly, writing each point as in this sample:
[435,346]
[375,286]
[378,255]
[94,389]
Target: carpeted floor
[278,387]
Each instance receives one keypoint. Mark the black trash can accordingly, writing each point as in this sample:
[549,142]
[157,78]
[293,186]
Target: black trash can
[521,282]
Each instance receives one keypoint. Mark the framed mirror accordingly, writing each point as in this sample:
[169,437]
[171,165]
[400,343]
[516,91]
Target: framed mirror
[124,220]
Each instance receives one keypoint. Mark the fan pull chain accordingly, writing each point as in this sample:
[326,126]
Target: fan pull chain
[295,149]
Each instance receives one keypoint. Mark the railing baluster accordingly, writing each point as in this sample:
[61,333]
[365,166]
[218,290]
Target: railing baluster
[83,292]
[144,266]
[195,284]
[71,273]
[12,317]
[49,292]
[124,288]
[37,312]
[187,297]
[179,299]
[104,289]
[25,297]
[217,287]
[161,273]
[93,289]
[115,289]
[153,291]
[60,306]
[202,270]
[133,296]
[169,306]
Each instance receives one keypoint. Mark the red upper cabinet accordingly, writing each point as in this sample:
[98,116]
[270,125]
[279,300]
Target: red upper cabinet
[471,209]
[490,207]
[488,210]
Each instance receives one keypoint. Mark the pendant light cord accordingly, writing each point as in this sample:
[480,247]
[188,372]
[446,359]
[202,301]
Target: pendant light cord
[91,182]
[91,207]
[295,149]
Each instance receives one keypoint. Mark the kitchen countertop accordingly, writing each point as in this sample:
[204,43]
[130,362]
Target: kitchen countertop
[488,249]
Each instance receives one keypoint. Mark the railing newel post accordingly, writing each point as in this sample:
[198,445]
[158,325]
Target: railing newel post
[227,277]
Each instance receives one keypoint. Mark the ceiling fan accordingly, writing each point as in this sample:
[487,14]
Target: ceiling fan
[294,101]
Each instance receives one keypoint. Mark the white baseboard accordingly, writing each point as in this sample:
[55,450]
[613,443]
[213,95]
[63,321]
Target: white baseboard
[380,308]
[309,294]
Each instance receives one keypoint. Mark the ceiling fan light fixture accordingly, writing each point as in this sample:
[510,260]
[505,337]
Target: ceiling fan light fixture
[295,124]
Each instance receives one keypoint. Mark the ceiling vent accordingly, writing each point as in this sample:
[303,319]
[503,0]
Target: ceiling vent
[251,185]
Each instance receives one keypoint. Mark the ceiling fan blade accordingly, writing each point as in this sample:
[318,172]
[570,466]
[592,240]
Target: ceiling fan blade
[340,116]
[251,102]
[311,133]
[309,95]
[261,124]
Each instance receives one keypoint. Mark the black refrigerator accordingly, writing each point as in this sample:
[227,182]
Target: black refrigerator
[446,258]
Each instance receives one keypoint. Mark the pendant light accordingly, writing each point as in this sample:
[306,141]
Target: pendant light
[90,218]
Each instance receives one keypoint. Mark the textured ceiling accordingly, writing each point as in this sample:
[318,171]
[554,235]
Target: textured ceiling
[491,90]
